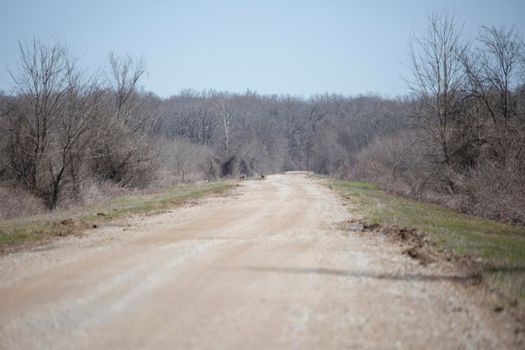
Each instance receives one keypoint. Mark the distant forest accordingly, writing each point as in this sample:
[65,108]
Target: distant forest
[67,136]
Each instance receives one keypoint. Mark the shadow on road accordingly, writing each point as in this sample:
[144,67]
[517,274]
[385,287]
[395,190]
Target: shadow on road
[416,277]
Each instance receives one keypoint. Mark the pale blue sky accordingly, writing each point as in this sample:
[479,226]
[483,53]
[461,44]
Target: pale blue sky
[294,47]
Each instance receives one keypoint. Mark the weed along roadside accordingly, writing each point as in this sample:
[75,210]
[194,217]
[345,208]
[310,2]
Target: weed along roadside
[493,252]
[28,231]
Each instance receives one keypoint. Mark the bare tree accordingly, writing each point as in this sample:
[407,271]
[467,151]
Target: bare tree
[494,71]
[226,113]
[124,152]
[50,120]
[74,135]
[124,75]
[41,84]
[438,79]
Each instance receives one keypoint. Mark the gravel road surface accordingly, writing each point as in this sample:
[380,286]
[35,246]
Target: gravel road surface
[265,268]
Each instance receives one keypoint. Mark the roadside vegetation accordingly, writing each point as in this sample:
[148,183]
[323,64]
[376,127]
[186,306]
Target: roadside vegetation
[497,248]
[29,230]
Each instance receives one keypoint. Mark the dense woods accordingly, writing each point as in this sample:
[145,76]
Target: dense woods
[458,138]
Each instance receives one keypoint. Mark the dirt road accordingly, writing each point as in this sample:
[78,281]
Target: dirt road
[265,268]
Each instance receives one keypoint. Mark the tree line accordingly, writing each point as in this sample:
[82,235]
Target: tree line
[61,126]
[458,138]
[463,143]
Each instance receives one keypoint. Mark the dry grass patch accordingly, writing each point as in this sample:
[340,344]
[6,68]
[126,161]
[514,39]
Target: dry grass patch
[24,231]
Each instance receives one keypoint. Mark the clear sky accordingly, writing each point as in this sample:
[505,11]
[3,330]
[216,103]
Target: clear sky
[295,47]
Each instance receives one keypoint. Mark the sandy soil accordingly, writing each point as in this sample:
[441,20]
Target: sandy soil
[265,268]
